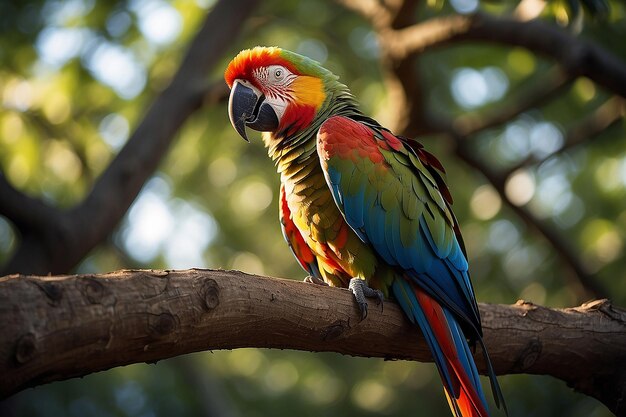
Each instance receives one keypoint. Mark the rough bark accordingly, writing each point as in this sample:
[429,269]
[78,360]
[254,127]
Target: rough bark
[61,327]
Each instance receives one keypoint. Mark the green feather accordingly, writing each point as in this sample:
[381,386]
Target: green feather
[389,198]
[410,203]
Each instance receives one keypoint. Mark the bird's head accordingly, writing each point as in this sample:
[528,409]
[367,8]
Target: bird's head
[274,90]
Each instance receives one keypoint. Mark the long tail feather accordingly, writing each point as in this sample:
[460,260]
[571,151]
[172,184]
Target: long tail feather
[449,348]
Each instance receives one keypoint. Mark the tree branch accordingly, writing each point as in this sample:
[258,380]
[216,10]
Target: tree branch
[405,89]
[27,213]
[84,226]
[56,328]
[577,57]
[375,11]
[405,92]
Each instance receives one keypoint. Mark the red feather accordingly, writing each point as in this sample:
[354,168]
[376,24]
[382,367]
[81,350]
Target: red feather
[300,249]
[246,61]
[296,117]
[467,398]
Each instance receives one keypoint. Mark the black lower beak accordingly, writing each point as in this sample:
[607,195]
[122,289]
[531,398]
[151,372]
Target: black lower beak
[247,107]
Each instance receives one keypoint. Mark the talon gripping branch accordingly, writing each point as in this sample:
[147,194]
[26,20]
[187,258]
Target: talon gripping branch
[363,208]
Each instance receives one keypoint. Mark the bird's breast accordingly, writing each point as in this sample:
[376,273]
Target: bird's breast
[312,207]
[325,230]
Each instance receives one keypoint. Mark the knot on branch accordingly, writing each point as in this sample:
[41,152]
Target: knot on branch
[94,291]
[25,348]
[528,356]
[161,324]
[53,292]
[210,293]
[335,330]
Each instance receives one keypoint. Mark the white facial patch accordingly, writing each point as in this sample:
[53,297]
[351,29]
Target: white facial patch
[275,81]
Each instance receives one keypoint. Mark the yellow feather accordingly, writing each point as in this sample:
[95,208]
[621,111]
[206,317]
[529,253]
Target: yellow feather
[309,91]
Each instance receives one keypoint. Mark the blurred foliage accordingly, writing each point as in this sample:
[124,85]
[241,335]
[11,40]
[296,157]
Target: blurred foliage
[76,77]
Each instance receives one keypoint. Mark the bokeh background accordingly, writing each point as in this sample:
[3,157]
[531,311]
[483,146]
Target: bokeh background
[77,76]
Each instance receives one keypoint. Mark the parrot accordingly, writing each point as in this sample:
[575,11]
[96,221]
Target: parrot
[364,209]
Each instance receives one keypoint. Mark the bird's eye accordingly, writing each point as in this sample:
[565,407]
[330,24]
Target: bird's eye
[277,74]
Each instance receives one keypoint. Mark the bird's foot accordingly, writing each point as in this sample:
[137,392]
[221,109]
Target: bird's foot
[360,290]
[315,280]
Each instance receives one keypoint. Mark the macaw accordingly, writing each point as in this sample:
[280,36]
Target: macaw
[364,209]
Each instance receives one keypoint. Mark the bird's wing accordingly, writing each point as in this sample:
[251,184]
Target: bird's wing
[391,199]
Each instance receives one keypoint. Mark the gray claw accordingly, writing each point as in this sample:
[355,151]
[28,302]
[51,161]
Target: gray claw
[315,280]
[360,290]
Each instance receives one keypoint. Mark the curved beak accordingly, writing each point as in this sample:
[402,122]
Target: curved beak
[247,107]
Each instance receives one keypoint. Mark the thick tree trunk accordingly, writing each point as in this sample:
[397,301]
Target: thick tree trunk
[60,327]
